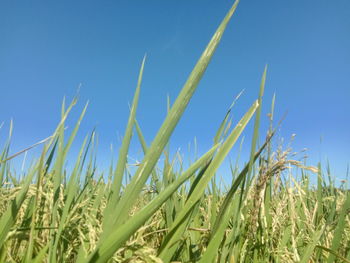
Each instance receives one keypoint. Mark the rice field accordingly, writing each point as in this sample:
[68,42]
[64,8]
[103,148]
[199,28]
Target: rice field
[271,211]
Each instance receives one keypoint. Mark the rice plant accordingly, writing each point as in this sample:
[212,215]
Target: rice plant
[270,212]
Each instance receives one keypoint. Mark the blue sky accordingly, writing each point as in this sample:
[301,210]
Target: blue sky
[48,48]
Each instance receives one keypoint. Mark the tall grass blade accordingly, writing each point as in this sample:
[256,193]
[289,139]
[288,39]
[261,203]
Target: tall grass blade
[341,224]
[256,128]
[120,234]
[155,180]
[118,174]
[9,217]
[122,157]
[311,247]
[167,249]
[133,189]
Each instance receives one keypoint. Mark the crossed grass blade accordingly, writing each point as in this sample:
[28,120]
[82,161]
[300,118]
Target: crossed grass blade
[256,131]
[226,211]
[334,253]
[62,151]
[133,189]
[155,179]
[4,155]
[9,217]
[118,174]
[339,230]
[122,157]
[71,192]
[168,248]
[312,245]
[120,234]
[32,234]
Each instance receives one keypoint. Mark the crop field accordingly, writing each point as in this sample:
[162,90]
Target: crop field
[163,211]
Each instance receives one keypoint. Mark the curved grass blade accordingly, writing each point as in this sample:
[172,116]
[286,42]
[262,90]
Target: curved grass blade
[223,124]
[134,188]
[74,132]
[26,149]
[41,255]
[256,129]
[71,191]
[332,252]
[122,233]
[9,217]
[122,157]
[225,205]
[339,230]
[311,247]
[155,180]
[226,211]
[118,175]
[4,155]
[167,249]
[32,234]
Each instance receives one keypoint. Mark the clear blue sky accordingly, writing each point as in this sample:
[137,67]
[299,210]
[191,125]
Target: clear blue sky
[48,48]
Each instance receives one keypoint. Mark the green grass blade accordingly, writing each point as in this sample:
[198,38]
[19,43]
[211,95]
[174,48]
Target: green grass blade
[120,234]
[58,170]
[4,155]
[223,124]
[229,196]
[334,253]
[32,234]
[256,127]
[319,195]
[122,157]
[339,230]
[74,132]
[133,189]
[225,213]
[311,247]
[41,255]
[167,249]
[118,174]
[155,180]
[9,217]
[71,191]
[212,250]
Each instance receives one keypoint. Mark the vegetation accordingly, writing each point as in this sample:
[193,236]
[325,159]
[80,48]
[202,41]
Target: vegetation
[269,213]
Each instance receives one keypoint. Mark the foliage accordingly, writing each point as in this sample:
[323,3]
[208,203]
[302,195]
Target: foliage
[166,215]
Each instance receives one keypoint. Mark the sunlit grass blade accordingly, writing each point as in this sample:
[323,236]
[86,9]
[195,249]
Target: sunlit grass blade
[120,234]
[32,234]
[256,128]
[341,224]
[25,150]
[71,191]
[118,174]
[309,250]
[270,183]
[155,180]
[228,198]
[122,157]
[226,211]
[167,249]
[133,189]
[224,122]
[58,170]
[9,217]
[4,155]
[41,255]
[334,253]
[74,132]
[319,195]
